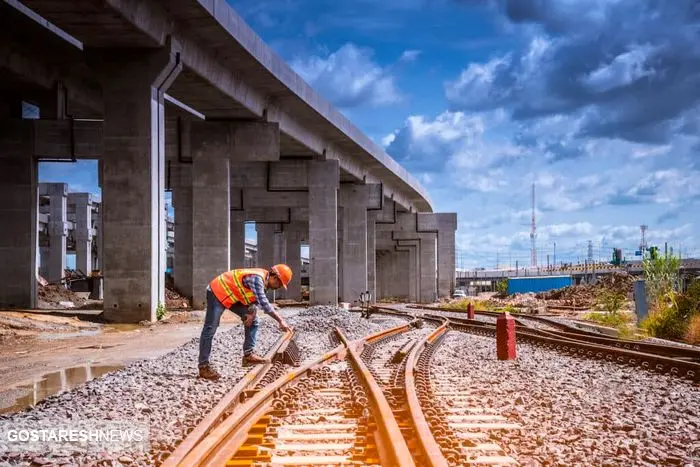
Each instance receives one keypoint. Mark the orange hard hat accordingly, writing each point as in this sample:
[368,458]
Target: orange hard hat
[284,272]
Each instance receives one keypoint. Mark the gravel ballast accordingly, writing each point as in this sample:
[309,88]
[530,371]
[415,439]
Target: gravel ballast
[164,392]
[575,411]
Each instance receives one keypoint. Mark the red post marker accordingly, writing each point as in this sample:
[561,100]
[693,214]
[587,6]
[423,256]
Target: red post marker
[470,310]
[505,337]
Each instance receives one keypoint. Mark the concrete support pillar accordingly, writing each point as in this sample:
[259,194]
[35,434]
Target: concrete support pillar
[58,229]
[183,262]
[83,230]
[372,254]
[447,225]
[413,268]
[98,261]
[266,244]
[133,180]
[237,239]
[391,272]
[354,260]
[323,241]
[280,242]
[340,229]
[428,268]
[18,211]
[211,201]
[294,235]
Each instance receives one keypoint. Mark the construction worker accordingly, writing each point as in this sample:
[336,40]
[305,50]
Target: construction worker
[243,292]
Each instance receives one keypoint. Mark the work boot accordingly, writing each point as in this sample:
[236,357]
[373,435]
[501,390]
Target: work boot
[207,372]
[254,359]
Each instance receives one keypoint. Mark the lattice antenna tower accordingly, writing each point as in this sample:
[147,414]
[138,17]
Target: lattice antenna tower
[643,243]
[533,232]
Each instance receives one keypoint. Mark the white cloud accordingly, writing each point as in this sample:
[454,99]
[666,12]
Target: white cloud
[474,86]
[623,70]
[349,77]
[410,55]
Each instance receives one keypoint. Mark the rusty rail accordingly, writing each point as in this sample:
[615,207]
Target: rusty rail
[392,440]
[225,404]
[227,437]
[431,449]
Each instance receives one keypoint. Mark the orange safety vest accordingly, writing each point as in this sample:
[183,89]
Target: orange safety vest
[229,289]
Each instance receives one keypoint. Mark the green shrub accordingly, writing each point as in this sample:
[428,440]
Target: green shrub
[610,301]
[160,311]
[461,305]
[502,286]
[664,320]
[610,319]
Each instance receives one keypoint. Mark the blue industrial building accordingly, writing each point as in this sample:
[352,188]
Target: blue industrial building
[538,284]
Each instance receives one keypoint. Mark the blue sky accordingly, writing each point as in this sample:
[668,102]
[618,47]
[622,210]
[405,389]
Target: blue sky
[595,101]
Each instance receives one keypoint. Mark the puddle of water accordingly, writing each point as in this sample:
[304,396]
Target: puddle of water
[122,327]
[28,395]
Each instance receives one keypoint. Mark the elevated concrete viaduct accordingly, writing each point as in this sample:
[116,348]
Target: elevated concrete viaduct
[182,95]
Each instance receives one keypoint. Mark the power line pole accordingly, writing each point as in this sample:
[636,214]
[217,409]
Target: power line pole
[533,232]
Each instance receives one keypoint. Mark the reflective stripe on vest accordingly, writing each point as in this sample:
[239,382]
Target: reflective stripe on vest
[229,289]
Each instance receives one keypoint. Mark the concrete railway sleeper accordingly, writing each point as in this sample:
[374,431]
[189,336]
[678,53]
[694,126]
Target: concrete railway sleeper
[327,412]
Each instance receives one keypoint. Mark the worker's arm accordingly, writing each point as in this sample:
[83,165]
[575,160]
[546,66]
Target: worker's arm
[255,283]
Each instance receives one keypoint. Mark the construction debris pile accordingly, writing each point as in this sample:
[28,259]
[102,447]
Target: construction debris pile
[586,295]
[175,301]
[57,297]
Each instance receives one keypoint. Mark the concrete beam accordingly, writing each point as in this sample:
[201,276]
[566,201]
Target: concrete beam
[257,197]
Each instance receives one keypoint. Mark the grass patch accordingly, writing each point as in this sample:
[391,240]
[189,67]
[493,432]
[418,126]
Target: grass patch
[160,311]
[461,305]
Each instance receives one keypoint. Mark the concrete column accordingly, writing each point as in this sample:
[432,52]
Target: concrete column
[183,263]
[280,242]
[447,225]
[354,260]
[133,180]
[58,229]
[372,255]
[211,207]
[266,244]
[294,235]
[391,272]
[323,240]
[428,268]
[237,239]
[18,211]
[413,268]
[98,262]
[340,229]
[83,230]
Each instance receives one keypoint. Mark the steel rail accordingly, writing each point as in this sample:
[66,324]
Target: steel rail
[652,362]
[223,440]
[217,413]
[431,449]
[393,441]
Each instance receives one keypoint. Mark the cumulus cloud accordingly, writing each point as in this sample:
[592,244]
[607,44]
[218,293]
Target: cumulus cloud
[629,68]
[456,141]
[349,77]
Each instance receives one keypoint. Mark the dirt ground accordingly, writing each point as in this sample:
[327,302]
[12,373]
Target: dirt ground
[34,344]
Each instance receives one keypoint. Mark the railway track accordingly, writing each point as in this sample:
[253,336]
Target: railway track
[330,411]
[678,361]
